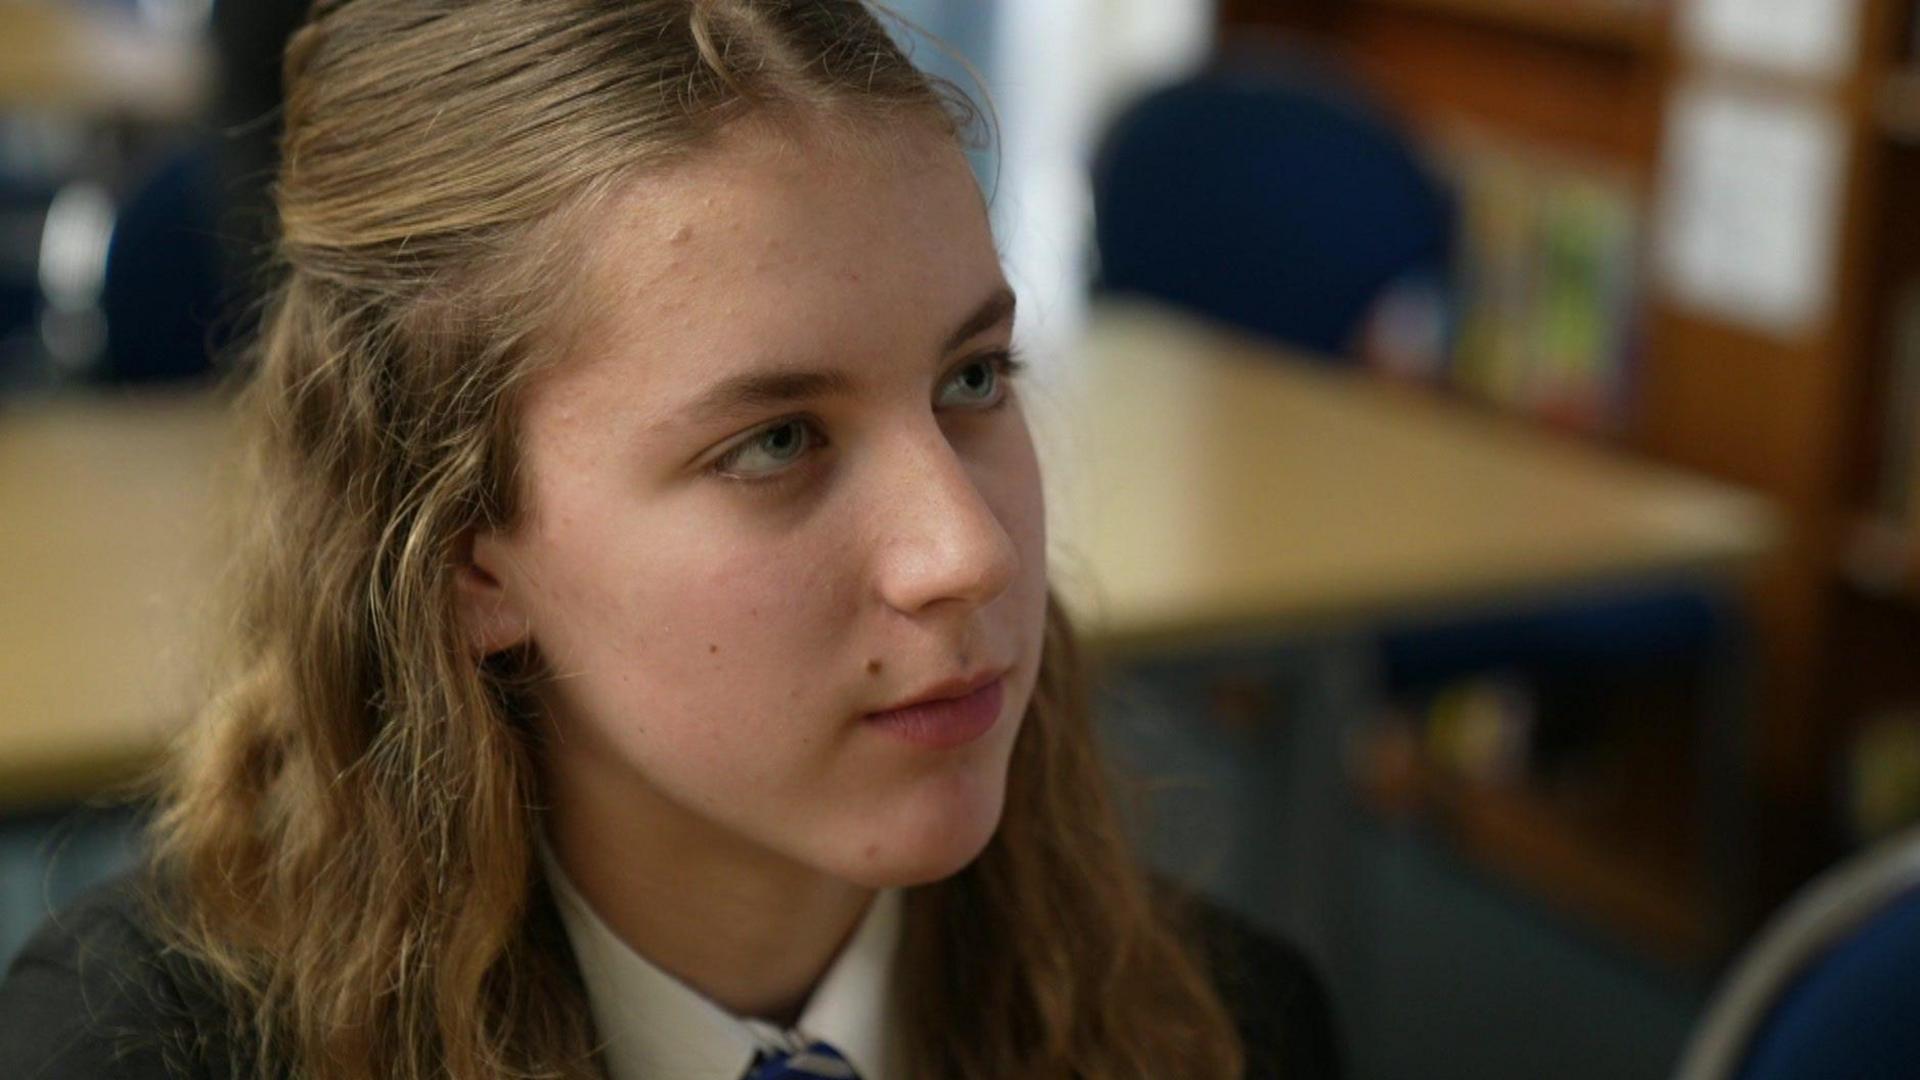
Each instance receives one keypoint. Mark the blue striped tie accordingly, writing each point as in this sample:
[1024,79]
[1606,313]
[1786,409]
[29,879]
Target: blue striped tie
[818,1061]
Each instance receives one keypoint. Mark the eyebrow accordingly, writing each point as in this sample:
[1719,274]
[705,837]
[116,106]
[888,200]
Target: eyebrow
[756,390]
[997,309]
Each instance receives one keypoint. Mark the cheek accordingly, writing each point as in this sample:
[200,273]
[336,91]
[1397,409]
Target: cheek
[675,636]
[1020,502]
[769,593]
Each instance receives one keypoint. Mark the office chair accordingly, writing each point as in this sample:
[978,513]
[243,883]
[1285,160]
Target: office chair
[130,252]
[1829,988]
[1268,194]
[162,287]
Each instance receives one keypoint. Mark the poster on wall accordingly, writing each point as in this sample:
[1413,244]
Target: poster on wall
[1806,38]
[1750,206]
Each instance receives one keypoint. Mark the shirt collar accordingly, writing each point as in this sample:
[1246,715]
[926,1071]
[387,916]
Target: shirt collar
[652,1024]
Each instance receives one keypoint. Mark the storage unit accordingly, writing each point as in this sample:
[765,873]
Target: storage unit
[1765,358]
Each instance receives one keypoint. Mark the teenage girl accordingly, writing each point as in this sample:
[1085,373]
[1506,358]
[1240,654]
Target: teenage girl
[643,660]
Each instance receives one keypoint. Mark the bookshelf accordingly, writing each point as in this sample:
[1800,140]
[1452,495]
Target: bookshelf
[1800,415]
[1900,104]
[1556,91]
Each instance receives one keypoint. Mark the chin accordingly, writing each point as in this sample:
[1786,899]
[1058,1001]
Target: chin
[927,843]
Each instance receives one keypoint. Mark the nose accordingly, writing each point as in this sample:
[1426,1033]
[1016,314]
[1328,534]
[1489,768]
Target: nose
[941,543]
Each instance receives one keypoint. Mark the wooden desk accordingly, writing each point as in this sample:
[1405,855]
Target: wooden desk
[1198,489]
[1203,489]
[105,551]
[1202,486]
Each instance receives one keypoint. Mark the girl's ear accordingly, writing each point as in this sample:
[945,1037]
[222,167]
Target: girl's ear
[489,615]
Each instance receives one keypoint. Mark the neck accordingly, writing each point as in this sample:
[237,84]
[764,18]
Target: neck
[746,927]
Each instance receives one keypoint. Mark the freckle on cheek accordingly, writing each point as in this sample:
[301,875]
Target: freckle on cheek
[873,667]
[713,648]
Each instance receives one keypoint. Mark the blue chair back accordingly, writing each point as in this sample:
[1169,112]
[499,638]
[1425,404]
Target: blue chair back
[1270,194]
[1857,1012]
[1830,987]
[162,293]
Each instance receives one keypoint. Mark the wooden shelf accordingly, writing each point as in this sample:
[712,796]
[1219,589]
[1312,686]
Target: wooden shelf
[1649,889]
[1612,24]
[1900,105]
[1580,77]
[1882,558]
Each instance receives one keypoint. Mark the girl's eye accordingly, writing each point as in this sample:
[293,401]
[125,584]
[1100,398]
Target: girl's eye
[769,454]
[772,449]
[979,379]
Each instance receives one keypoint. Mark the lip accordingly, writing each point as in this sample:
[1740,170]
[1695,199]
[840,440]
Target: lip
[948,690]
[943,722]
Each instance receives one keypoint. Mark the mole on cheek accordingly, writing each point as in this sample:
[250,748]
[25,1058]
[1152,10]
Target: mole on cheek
[713,648]
[873,667]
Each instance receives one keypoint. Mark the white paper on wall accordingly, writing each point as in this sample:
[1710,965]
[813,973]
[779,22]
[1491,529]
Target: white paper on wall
[1818,38]
[1750,206]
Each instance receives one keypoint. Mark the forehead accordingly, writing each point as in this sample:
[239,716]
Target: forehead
[773,245]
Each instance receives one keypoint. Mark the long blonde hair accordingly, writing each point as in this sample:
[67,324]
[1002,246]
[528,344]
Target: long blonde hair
[345,840]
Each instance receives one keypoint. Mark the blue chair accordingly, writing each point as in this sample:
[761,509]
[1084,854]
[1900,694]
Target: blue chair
[1831,987]
[145,258]
[1268,192]
[162,290]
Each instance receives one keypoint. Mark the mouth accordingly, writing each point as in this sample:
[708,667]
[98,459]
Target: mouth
[943,722]
[947,690]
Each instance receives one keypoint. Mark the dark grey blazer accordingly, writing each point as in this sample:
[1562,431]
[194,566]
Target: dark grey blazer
[93,995]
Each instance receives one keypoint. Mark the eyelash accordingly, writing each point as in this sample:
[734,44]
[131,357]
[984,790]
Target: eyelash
[1006,365]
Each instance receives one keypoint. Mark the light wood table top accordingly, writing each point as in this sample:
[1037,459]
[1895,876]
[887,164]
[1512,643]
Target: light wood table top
[1197,486]
[1200,485]
[106,548]
[106,552]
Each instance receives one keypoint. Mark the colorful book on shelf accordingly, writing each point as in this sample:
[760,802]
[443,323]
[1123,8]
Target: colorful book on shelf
[1495,275]
[1548,275]
[1581,325]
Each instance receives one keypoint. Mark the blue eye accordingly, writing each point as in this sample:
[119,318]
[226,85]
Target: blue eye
[769,455]
[980,379]
[771,450]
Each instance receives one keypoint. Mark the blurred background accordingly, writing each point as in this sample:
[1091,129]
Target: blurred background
[1643,274]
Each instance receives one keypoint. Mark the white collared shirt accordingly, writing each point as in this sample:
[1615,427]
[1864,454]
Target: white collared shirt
[652,1026]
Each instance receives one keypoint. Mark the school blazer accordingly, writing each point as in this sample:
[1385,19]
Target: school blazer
[93,996]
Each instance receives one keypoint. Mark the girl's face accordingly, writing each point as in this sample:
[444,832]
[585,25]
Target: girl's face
[781,482]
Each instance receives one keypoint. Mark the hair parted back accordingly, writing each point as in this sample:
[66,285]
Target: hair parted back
[345,837]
